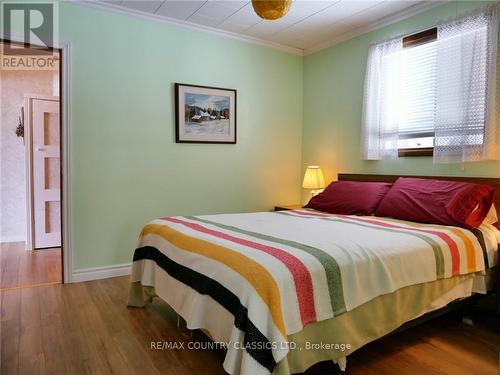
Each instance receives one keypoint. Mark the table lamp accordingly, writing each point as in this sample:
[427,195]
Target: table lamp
[313,179]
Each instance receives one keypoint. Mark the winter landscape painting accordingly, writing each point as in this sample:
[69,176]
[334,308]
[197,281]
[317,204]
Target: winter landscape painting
[205,114]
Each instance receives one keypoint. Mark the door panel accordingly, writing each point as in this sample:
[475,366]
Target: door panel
[46,173]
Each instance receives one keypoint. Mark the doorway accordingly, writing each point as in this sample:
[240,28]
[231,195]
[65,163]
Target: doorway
[30,183]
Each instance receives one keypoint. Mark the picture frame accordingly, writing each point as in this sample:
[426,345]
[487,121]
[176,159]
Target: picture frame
[204,114]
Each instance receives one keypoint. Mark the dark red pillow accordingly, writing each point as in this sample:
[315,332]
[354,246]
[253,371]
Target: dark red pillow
[437,202]
[350,197]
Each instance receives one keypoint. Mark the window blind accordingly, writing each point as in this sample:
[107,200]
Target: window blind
[417,99]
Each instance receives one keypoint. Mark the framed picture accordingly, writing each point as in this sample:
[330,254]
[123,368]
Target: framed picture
[204,114]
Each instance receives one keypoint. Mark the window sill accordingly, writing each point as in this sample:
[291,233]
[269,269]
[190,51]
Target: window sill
[403,152]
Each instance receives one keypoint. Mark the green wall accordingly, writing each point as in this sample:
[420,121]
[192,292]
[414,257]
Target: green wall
[333,97]
[292,111]
[127,168]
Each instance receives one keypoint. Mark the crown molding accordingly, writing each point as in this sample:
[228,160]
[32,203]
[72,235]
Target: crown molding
[399,16]
[188,25]
[386,21]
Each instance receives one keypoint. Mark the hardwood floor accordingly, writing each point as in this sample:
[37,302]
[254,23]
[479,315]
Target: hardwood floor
[86,328]
[21,268]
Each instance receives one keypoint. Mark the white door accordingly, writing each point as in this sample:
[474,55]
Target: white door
[46,173]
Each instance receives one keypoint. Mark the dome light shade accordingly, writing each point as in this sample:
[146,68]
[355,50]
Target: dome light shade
[270,9]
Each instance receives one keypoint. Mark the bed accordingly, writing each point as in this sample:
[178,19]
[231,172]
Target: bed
[284,290]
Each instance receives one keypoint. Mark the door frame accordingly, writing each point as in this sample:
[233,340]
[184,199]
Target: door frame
[64,48]
[28,162]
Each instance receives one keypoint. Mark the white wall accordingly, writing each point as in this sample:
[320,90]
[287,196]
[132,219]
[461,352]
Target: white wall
[14,85]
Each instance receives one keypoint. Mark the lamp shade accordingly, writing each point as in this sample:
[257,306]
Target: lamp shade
[271,9]
[313,179]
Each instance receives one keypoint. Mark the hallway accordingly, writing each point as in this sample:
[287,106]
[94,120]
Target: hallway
[21,268]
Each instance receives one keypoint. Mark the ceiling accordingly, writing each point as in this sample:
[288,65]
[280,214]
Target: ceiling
[309,25]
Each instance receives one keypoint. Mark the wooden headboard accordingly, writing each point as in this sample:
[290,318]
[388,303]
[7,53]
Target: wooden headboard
[495,182]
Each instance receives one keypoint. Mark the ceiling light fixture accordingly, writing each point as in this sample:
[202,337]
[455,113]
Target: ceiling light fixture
[270,9]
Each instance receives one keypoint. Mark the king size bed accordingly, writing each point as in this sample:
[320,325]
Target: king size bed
[285,290]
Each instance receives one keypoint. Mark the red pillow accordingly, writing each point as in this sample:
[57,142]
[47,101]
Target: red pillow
[438,202]
[350,197]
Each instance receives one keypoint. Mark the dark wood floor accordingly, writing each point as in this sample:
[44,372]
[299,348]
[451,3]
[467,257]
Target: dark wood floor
[21,268]
[86,328]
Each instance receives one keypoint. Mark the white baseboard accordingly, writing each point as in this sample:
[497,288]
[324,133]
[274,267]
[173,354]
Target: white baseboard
[96,273]
[6,239]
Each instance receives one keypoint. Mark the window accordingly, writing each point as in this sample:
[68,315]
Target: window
[435,92]
[417,94]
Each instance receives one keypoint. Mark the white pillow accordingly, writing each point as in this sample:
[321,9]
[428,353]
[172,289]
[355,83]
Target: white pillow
[492,216]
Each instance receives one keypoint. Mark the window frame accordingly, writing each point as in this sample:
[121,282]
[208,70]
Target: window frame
[417,39]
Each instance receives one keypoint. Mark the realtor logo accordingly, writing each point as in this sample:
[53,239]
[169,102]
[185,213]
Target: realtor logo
[34,25]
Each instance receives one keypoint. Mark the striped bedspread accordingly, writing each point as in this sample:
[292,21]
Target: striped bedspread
[275,272]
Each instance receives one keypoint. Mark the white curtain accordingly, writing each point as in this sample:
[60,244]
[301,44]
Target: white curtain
[382,89]
[467,124]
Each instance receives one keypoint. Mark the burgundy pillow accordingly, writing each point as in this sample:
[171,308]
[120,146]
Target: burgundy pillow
[350,197]
[438,202]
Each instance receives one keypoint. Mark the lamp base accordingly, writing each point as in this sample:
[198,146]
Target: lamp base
[315,192]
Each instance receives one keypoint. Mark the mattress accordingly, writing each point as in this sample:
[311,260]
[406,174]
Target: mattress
[256,280]
[336,338]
